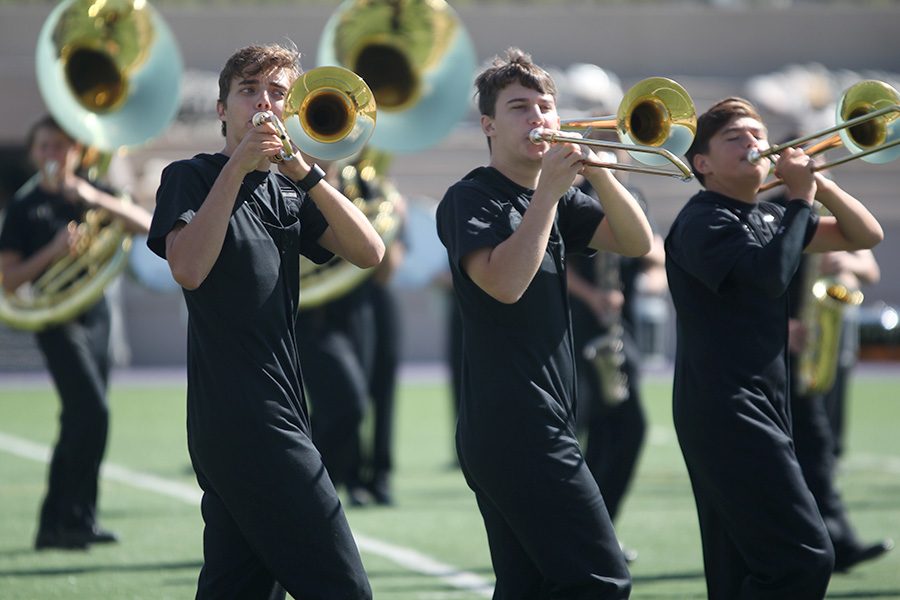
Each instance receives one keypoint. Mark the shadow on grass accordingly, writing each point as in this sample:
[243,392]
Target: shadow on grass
[667,577]
[403,573]
[85,569]
[865,594]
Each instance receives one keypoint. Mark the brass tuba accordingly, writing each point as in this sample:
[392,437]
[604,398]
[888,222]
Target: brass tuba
[110,74]
[419,62]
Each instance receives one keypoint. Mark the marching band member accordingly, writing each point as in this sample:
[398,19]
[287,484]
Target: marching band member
[729,260]
[233,233]
[40,228]
[508,228]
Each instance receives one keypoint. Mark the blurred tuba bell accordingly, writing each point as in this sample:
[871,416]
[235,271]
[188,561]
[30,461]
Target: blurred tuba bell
[419,62]
[109,72]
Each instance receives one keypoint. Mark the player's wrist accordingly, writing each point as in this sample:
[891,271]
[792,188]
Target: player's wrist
[311,179]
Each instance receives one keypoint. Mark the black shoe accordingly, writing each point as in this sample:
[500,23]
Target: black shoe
[381,492]
[48,540]
[845,561]
[358,495]
[99,535]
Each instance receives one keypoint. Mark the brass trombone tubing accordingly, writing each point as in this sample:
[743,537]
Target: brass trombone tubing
[827,145]
[540,135]
[755,156]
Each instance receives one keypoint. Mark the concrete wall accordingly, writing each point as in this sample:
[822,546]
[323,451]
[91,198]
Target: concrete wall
[711,51]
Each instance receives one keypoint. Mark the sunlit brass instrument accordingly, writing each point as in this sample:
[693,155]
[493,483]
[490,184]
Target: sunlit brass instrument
[110,74]
[867,125]
[420,63]
[655,121]
[362,181]
[415,55]
[329,113]
[822,314]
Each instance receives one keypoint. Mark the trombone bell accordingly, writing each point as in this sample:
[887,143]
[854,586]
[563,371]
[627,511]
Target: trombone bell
[657,112]
[864,98]
[335,113]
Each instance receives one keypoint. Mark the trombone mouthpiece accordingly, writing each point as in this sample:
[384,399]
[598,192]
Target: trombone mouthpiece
[262,117]
[536,135]
[287,152]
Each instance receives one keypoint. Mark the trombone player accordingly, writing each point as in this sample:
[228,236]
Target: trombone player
[232,233]
[729,260]
[41,228]
[508,228]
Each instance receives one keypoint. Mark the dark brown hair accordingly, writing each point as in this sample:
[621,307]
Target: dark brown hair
[253,60]
[45,122]
[712,121]
[515,67]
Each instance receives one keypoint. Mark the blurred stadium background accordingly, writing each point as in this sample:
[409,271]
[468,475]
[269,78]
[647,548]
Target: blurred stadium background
[793,58]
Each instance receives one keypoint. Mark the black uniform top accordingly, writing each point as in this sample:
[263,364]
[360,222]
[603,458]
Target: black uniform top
[33,220]
[629,267]
[243,368]
[518,359]
[729,264]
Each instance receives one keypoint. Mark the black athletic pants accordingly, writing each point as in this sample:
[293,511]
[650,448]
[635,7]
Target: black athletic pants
[762,535]
[77,356]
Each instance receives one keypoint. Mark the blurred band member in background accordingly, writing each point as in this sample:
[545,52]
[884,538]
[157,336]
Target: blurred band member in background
[232,232]
[730,260]
[349,350]
[611,416]
[41,227]
[814,436]
[508,229]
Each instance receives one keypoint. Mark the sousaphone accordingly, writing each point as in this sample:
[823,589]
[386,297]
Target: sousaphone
[419,61]
[110,74]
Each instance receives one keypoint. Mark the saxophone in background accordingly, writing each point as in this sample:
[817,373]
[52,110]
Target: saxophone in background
[606,352]
[825,300]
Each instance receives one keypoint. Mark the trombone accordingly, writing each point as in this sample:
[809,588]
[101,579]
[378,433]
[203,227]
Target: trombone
[329,113]
[867,126]
[655,120]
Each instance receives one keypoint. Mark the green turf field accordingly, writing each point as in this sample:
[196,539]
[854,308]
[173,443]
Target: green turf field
[431,546]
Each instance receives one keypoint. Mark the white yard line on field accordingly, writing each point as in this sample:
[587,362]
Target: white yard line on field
[407,558]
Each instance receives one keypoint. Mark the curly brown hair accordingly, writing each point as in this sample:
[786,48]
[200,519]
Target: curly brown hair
[252,60]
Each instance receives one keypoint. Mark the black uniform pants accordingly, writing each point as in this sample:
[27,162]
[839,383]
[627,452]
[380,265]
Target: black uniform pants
[383,379]
[548,530]
[272,517]
[336,358]
[762,535]
[813,437]
[77,356]
[615,433]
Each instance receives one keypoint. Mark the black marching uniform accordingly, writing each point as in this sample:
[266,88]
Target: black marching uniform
[548,528]
[350,350]
[729,264]
[614,431]
[270,510]
[378,464]
[77,355]
[336,342]
[815,443]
